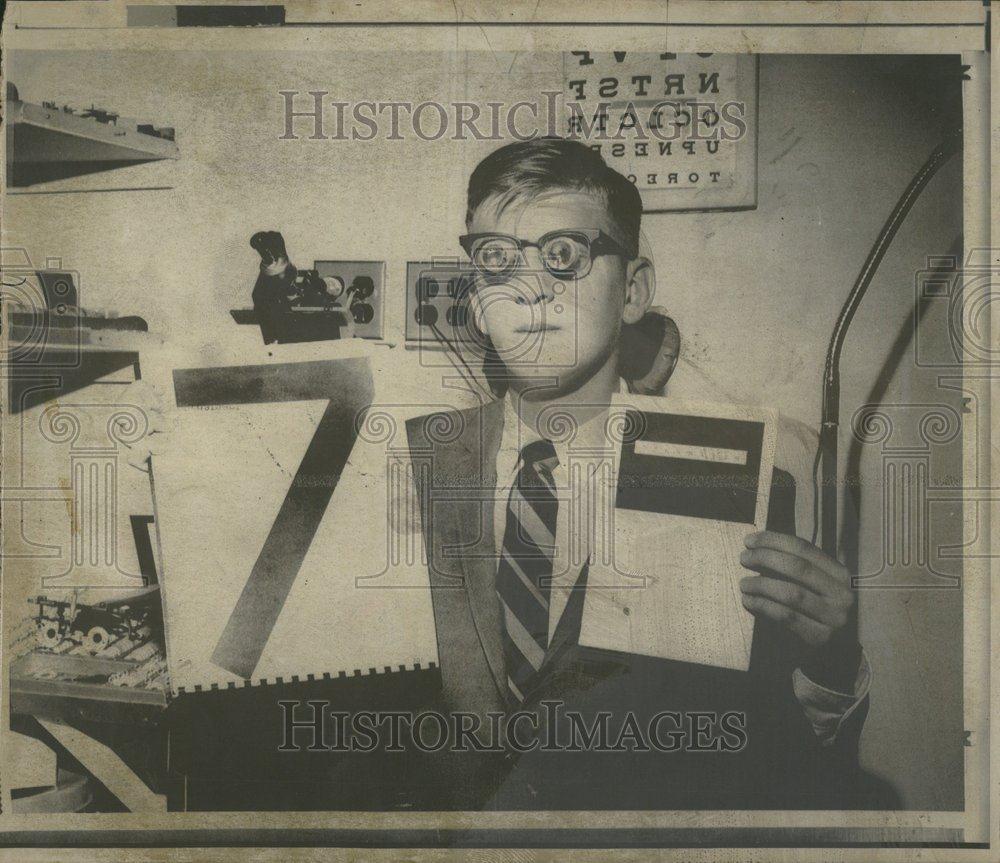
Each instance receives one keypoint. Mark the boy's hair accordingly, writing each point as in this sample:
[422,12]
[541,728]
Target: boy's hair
[526,169]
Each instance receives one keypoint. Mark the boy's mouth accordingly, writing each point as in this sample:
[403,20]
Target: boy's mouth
[537,328]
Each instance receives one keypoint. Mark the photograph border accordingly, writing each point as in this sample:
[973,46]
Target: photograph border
[867,28]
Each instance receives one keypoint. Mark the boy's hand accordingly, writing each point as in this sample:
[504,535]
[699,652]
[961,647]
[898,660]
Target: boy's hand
[807,592]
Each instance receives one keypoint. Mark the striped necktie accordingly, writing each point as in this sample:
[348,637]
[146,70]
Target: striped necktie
[525,567]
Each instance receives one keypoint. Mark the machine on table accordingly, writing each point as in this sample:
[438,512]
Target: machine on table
[332,300]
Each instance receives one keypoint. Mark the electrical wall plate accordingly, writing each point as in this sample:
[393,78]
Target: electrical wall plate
[364,293]
[437,302]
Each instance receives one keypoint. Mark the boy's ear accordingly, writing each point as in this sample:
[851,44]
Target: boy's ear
[640,286]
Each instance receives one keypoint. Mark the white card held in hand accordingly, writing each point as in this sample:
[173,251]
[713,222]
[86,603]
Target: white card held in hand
[690,482]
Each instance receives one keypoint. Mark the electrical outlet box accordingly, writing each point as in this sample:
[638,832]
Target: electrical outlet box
[363,295]
[437,302]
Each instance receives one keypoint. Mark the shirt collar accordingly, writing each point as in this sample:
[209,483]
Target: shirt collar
[590,437]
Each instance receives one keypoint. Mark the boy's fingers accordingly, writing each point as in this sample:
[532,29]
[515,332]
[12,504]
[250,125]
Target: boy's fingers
[793,545]
[797,569]
[808,630]
[793,596]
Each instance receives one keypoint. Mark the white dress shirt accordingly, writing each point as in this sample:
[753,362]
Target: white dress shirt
[588,447]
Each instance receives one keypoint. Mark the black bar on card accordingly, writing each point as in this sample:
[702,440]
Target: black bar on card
[719,490]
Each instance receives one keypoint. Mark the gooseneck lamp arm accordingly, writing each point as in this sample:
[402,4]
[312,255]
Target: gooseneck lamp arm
[830,417]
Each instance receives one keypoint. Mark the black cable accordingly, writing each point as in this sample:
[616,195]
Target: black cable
[852,464]
[467,374]
[825,464]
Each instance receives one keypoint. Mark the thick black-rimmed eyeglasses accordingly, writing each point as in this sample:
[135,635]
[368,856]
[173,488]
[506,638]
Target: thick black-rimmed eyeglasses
[566,254]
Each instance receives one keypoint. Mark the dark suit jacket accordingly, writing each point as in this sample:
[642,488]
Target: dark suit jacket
[782,765]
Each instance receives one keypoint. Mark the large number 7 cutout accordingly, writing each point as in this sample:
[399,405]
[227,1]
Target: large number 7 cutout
[347,386]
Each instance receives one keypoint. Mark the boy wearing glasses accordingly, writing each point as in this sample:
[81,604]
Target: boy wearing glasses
[553,235]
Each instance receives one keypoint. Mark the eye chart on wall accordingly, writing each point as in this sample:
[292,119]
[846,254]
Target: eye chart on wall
[682,127]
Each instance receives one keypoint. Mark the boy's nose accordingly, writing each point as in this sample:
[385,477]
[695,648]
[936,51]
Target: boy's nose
[534,283]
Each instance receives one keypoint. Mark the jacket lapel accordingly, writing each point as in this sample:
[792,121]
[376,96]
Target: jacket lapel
[460,504]
[475,531]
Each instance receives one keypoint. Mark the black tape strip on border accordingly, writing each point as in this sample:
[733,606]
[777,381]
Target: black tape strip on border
[216,15]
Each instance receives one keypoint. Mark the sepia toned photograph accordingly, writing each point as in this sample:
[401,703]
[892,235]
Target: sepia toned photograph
[462,429]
